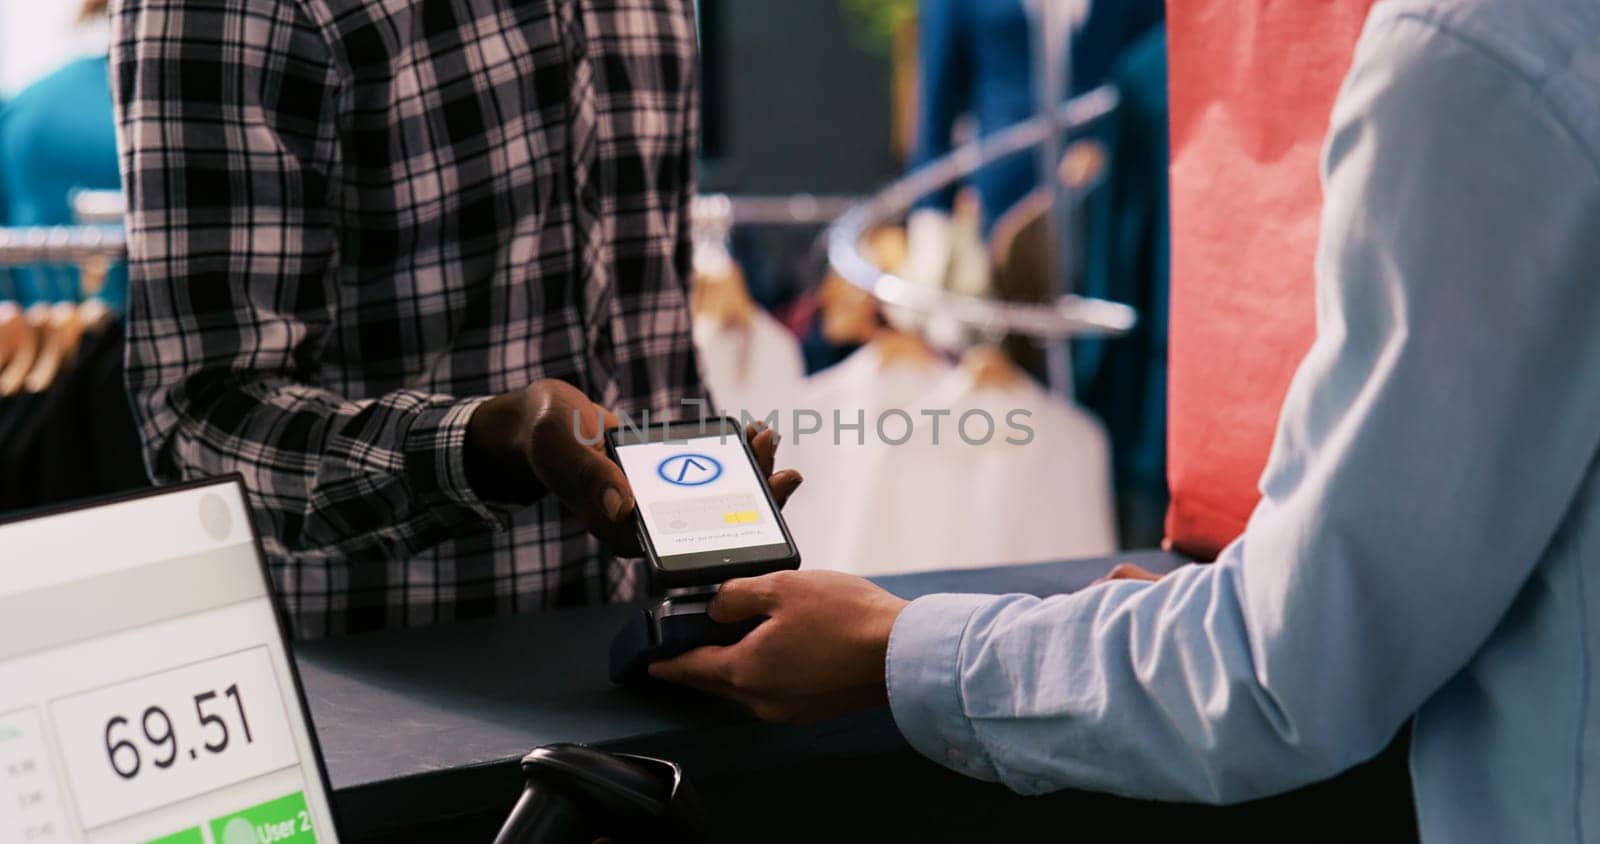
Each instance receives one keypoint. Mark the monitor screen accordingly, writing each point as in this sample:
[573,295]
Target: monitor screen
[146,692]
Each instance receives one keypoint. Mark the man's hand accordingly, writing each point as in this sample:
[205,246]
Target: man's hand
[547,437]
[764,442]
[1129,571]
[820,653]
[524,443]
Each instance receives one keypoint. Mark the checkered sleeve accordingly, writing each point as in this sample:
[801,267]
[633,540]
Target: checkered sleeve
[226,113]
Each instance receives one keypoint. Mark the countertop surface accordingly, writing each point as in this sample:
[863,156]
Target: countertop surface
[421,705]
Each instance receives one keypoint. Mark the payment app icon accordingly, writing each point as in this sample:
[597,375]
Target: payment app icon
[689,470]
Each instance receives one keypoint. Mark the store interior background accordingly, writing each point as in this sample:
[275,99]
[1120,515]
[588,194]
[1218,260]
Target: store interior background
[811,97]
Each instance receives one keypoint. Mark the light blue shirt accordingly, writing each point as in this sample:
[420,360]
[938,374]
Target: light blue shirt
[1428,541]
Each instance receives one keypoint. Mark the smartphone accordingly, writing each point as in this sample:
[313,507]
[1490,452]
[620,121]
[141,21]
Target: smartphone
[705,514]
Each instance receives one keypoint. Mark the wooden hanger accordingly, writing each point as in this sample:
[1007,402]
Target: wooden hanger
[62,333]
[26,352]
[897,347]
[67,324]
[888,246]
[1083,166]
[849,314]
[13,331]
[990,367]
[92,278]
[721,295]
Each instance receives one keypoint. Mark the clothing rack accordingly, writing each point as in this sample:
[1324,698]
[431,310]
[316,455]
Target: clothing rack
[101,236]
[66,429]
[715,214]
[62,245]
[722,212]
[1068,317]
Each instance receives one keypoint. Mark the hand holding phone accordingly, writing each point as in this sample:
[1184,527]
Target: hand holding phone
[705,511]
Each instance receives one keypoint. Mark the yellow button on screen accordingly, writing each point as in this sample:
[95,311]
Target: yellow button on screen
[743,517]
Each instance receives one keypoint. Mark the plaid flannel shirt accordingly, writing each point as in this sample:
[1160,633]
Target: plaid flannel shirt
[351,221]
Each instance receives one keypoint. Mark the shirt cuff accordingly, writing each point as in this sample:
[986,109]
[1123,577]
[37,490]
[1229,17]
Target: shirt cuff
[435,454]
[924,679]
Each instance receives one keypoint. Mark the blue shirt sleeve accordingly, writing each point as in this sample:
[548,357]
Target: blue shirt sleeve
[1428,451]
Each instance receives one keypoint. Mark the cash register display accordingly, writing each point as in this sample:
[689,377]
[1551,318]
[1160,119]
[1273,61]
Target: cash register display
[146,693]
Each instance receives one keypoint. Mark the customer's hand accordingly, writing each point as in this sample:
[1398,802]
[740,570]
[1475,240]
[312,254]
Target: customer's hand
[820,653]
[547,437]
[1129,571]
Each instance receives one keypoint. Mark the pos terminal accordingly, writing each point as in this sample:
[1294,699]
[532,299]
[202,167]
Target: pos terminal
[704,515]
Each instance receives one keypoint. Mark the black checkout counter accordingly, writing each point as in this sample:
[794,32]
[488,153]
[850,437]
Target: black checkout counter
[422,731]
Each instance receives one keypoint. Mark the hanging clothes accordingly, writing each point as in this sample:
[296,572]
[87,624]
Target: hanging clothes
[915,489]
[75,439]
[977,59]
[830,512]
[49,152]
[1124,380]
[755,367]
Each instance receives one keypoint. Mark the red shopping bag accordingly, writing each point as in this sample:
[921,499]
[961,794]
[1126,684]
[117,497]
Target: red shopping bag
[1252,88]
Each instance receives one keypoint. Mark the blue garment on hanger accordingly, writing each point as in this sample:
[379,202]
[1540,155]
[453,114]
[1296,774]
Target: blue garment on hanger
[58,137]
[978,58]
[1128,258]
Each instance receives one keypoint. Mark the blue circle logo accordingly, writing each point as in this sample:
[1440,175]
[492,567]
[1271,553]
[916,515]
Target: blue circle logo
[689,470]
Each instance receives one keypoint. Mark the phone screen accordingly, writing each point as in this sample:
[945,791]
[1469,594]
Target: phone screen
[703,502]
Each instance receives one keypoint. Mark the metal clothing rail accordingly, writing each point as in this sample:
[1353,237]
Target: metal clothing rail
[1069,316]
[62,245]
[102,237]
[801,209]
[106,207]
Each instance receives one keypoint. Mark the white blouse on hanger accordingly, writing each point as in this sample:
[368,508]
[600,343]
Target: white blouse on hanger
[880,508]
[755,367]
[829,513]
[1018,497]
